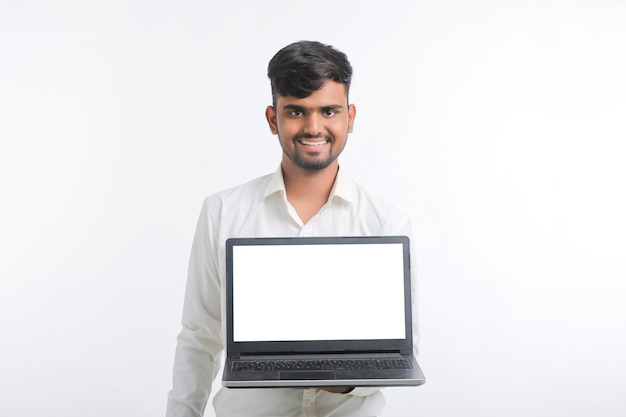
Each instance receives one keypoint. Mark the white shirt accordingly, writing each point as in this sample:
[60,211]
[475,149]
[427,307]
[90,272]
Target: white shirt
[260,208]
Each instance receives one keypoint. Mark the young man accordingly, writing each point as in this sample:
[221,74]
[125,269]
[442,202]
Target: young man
[307,196]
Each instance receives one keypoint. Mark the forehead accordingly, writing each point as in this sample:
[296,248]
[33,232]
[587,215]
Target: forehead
[332,93]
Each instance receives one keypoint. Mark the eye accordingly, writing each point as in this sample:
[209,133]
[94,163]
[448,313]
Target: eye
[295,113]
[330,112]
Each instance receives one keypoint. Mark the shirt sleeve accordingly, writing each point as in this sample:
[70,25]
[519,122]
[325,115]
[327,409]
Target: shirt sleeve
[199,344]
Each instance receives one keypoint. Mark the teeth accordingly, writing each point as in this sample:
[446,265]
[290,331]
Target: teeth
[317,143]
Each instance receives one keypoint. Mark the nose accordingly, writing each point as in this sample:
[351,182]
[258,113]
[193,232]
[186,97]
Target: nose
[313,124]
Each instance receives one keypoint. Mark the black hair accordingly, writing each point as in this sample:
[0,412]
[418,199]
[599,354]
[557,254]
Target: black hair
[302,67]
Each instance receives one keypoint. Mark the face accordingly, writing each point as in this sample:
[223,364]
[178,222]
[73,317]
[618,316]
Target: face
[312,130]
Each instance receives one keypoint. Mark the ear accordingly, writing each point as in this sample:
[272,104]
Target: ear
[351,116]
[270,115]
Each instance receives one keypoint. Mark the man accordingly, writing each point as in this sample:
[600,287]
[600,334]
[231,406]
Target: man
[307,196]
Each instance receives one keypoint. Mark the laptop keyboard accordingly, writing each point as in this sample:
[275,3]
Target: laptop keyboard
[321,364]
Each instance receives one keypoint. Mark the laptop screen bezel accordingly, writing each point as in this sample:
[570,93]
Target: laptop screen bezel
[314,346]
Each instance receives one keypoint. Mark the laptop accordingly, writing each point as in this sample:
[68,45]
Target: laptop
[319,312]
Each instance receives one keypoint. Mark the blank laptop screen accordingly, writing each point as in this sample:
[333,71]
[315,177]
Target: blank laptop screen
[318,292]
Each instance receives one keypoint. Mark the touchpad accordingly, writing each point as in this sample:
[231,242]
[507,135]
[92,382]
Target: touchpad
[312,375]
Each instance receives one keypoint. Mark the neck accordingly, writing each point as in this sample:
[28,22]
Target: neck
[308,191]
[314,184]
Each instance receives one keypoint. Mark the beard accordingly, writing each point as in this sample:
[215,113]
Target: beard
[310,164]
[311,160]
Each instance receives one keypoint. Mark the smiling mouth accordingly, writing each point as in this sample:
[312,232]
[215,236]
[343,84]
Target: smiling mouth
[313,143]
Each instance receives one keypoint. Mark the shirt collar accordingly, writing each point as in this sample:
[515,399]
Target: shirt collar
[276,184]
[343,188]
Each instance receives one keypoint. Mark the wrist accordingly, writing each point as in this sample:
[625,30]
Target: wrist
[339,390]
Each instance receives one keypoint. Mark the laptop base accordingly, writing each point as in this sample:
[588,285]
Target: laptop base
[311,378]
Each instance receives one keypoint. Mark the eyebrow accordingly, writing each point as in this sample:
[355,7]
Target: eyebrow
[301,108]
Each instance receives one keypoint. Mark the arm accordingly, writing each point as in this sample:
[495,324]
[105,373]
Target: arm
[199,344]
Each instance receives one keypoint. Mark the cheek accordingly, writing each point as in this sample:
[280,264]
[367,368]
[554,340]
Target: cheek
[286,126]
[340,129]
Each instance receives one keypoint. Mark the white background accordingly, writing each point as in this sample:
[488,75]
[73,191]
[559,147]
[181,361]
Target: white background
[497,125]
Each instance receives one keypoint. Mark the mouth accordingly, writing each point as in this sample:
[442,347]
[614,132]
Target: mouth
[312,142]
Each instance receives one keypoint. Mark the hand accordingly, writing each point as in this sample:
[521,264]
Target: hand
[339,390]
